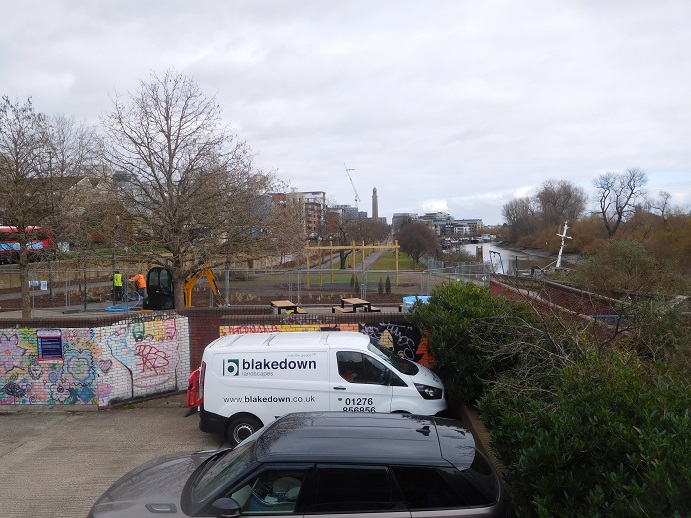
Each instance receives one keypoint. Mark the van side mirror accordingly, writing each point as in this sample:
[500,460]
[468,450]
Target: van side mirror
[225,508]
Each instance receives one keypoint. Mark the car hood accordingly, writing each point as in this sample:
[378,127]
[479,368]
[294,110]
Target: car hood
[427,377]
[150,489]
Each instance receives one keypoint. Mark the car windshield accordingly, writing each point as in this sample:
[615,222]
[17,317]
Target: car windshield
[219,471]
[400,364]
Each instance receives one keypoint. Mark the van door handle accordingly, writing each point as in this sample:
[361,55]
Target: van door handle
[339,388]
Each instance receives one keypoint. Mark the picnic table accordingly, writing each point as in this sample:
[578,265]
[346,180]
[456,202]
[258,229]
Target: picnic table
[351,305]
[286,305]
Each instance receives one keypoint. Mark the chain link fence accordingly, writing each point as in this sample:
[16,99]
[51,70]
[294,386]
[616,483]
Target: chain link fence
[60,284]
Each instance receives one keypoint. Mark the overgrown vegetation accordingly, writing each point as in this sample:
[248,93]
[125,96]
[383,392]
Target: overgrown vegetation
[626,267]
[624,211]
[588,421]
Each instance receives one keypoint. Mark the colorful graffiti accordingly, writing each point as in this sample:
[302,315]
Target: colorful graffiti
[401,338]
[94,366]
[151,355]
[243,330]
[404,339]
[25,378]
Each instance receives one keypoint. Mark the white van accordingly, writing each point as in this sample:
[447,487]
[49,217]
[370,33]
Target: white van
[247,381]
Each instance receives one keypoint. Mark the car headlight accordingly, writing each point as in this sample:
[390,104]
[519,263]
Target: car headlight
[428,392]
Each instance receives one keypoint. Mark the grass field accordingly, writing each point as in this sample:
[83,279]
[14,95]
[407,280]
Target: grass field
[387,261]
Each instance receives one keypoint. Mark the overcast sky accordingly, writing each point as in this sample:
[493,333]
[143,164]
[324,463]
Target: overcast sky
[455,106]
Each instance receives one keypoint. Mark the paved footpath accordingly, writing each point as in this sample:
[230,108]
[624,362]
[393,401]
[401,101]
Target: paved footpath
[57,463]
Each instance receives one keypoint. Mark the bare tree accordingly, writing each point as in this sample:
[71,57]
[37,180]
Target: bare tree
[416,239]
[560,201]
[617,195]
[520,215]
[22,142]
[372,232]
[70,163]
[661,205]
[193,191]
[343,231]
[286,229]
[77,208]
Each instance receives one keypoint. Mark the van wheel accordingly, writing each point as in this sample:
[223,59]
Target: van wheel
[240,428]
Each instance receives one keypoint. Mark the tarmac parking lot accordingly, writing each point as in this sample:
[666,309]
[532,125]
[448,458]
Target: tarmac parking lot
[57,463]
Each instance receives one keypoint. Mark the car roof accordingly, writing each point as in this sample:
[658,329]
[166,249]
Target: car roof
[377,438]
[304,339]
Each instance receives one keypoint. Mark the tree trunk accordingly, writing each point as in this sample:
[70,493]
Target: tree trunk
[24,281]
[179,286]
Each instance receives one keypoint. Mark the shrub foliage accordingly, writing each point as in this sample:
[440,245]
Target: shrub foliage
[584,426]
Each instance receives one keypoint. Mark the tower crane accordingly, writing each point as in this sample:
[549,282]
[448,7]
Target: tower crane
[357,198]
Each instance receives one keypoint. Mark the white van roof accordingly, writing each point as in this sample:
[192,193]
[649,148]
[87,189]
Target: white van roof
[309,339]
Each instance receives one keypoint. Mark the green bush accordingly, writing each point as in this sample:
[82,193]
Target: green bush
[469,331]
[587,423]
[380,287]
[609,438]
[388,285]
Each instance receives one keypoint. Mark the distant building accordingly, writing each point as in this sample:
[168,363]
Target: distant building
[401,218]
[472,227]
[438,222]
[349,212]
[375,205]
[315,212]
[311,208]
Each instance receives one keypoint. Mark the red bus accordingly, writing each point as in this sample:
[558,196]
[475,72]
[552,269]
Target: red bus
[40,240]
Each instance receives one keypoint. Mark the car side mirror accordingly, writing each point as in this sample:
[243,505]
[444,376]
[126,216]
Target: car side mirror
[225,508]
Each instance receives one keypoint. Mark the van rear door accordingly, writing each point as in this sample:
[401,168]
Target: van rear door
[358,383]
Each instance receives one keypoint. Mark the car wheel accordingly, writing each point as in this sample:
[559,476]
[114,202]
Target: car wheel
[240,428]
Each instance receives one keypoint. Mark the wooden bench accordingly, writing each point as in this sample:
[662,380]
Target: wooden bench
[400,308]
[374,309]
[301,311]
[340,309]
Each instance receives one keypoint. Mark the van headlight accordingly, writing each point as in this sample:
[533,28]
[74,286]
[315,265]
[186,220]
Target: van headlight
[428,392]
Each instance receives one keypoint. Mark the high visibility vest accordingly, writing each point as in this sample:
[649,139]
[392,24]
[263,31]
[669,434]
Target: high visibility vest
[139,280]
[117,279]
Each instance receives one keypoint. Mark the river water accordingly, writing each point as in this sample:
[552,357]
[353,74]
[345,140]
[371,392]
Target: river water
[507,261]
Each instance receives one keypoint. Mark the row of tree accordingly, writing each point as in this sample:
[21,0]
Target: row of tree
[623,210]
[162,174]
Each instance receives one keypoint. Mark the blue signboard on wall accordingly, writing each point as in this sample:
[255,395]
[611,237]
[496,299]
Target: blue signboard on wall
[49,344]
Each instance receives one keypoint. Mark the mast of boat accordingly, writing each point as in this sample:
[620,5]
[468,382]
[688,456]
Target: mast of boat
[563,236]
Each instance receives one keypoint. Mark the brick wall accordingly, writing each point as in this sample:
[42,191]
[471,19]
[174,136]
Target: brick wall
[49,362]
[97,362]
[204,325]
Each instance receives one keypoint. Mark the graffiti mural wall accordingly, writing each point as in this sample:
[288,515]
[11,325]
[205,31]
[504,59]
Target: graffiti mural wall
[98,366]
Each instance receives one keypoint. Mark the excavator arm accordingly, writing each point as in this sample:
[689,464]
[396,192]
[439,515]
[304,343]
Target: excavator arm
[190,282]
[160,288]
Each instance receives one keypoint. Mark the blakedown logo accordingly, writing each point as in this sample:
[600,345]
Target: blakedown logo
[231,367]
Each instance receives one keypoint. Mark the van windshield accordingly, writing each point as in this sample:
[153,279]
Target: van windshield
[400,364]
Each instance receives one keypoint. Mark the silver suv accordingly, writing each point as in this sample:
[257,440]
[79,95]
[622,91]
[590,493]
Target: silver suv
[321,463]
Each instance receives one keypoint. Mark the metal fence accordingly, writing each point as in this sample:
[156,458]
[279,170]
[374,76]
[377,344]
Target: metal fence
[75,286]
